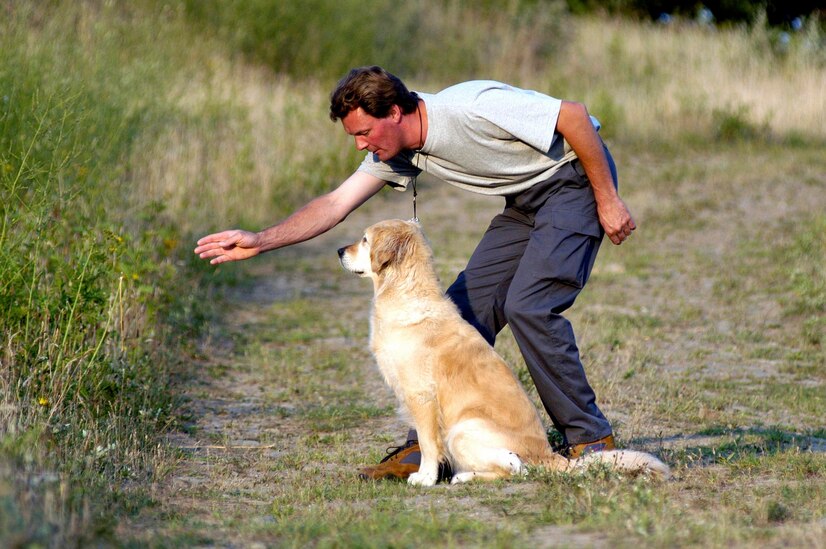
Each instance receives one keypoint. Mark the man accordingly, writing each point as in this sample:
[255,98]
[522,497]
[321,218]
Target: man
[545,157]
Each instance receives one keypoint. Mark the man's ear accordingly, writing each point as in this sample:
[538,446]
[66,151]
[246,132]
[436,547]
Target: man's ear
[395,113]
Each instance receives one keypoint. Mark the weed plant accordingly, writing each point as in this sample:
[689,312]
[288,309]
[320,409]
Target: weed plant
[86,278]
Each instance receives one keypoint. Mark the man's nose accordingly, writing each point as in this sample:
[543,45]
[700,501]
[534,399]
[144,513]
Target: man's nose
[361,143]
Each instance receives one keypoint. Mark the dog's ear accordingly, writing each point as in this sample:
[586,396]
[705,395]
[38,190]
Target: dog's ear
[389,247]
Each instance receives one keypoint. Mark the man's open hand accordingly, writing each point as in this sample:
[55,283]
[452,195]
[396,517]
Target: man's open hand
[229,246]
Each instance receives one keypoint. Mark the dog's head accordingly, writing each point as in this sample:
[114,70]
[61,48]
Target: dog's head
[392,245]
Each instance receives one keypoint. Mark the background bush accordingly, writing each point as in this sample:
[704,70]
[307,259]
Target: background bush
[323,39]
[776,12]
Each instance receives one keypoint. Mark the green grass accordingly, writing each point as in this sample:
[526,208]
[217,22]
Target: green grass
[717,376]
[86,278]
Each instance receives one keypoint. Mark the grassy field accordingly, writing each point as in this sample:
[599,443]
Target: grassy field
[151,401]
[702,337]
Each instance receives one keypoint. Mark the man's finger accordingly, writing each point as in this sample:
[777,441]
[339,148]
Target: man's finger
[209,252]
[211,238]
[207,247]
[218,237]
[231,242]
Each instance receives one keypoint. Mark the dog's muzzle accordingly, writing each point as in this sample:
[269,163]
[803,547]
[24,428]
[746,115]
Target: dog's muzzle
[343,258]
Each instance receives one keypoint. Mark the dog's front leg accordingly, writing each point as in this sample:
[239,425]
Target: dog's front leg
[426,419]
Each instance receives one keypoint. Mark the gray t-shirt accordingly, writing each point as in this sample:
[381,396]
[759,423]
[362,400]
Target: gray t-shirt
[483,136]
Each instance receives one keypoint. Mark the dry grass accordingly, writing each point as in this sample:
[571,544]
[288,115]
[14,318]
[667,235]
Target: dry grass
[683,365]
[692,332]
[249,143]
[666,82]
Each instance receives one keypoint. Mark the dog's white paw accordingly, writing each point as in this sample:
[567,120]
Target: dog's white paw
[459,478]
[423,479]
[511,462]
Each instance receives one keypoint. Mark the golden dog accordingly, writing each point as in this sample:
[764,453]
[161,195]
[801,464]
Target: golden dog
[461,397]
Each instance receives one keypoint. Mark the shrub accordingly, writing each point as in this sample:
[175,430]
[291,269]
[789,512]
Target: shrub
[440,39]
[84,278]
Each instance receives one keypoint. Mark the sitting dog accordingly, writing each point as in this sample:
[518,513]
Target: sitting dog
[461,397]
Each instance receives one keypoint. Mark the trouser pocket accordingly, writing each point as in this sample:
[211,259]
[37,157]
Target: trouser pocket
[567,243]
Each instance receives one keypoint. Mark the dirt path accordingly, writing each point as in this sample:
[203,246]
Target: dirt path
[246,411]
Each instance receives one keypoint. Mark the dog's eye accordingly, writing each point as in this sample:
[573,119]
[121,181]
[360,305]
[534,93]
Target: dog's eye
[364,240]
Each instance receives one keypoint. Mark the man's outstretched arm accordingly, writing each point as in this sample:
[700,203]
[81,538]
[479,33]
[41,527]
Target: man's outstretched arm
[316,217]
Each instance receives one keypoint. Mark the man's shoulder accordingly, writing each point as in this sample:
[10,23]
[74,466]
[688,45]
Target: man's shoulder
[485,95]
[470,90]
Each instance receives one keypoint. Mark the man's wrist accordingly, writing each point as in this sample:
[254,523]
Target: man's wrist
[263,241]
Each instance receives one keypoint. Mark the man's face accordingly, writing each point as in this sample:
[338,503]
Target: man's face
[381,136]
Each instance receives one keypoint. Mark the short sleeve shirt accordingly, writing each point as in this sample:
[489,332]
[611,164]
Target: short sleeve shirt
[483,136]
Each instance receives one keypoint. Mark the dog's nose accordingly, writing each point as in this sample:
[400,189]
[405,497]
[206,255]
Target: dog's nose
[341,252]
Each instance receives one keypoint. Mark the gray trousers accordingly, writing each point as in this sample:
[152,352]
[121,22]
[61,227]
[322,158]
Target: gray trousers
[530,265]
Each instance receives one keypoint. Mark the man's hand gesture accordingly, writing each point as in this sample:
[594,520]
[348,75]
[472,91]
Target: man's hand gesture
[229,246]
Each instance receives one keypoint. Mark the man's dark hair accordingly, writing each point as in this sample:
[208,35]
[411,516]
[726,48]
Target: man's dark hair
[373,89]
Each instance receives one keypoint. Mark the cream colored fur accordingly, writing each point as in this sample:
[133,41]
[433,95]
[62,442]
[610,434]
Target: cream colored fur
[460,396]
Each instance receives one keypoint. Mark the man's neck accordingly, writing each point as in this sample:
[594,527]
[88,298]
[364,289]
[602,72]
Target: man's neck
[416,127]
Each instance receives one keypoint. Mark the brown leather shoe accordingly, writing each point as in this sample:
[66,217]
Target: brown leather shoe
[400,463]
[578,450]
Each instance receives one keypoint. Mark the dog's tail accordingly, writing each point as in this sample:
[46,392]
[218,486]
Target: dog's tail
[628,461]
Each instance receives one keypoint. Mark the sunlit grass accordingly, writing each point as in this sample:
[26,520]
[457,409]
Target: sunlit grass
[666,83]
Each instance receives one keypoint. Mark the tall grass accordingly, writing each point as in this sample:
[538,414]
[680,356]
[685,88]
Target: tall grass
[671,83]
[254,142]
[649,82]
[85,273]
